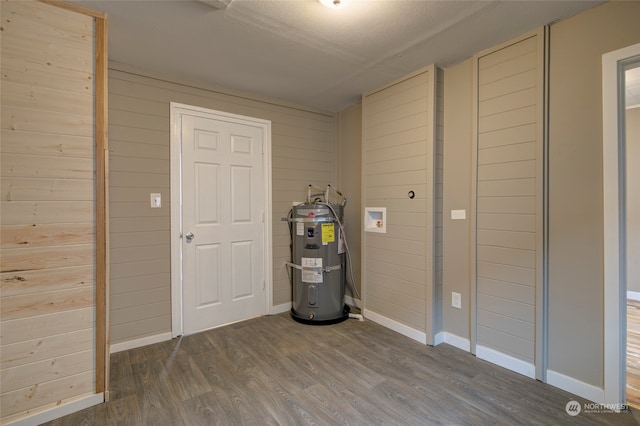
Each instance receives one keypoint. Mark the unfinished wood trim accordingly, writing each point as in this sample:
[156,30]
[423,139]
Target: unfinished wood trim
[102,284]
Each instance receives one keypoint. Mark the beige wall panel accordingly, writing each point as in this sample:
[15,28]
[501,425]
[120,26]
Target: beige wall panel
[138,165]
[136,254]
[25,47]
[303,165]
[300,152]
[146,327]
[507,53]
[17,283]
[507,205]
[139,269]
[395,205]
[18,330]
[392,128]
[399,313]
[38,395]
[39,73]
[135,194]
[394,270]
[388,179]
[508,308]
[509,256]
[391,166]
[509,136]
[133,180]
[417,149]
[138,150]
[515,152]
[27,305]
[415,135]
[126,102]
[511,326]
[396,95]
[24,236]
[510,239]
[138,239]
[508,170]
[510,102]
[507,188]
[397,258]
[633,198]
[399,192]
[48,347]
[506,343]
[34,120]
[148,282]
[139,136]
[394,244]
[517,117]
[576,329]
[408,106]
[407,233]
[140,312]
[28,259]
[27,189]
[130,298]
[396,296]
[507,222]
[510,67]
[509,273]
[45,144]
[507,290]
[47,370]
[142,224]
[511,84]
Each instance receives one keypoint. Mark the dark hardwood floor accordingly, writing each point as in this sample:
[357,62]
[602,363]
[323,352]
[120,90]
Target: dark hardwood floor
[274,371]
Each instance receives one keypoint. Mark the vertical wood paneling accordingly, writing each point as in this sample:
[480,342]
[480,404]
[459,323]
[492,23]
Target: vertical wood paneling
[402,268]
[303,153]
[508,116]
[48,254]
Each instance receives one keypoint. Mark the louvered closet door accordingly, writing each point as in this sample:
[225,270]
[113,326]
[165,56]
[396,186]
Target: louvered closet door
[507,239]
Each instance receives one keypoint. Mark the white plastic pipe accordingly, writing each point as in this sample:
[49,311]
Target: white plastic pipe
[359,317]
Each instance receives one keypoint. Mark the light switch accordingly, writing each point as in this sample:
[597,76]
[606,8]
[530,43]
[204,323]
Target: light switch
[456,300]
[156,201]
[458,214]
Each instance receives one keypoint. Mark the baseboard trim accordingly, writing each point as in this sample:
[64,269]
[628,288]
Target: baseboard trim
[58,411]
[278,309]
[453,340]
[506,361]
[136,343]
[633,295]
[405,330]
[576,387]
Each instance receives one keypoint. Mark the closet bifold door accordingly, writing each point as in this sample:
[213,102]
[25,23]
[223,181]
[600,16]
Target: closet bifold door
[507,232]
[54,335]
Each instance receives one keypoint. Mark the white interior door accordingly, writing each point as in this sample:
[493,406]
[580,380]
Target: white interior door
[223,205]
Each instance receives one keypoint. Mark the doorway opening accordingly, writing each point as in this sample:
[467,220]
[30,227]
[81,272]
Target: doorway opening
[619,221]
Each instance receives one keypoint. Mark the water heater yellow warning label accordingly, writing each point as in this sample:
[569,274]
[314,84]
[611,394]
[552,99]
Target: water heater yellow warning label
[328,234]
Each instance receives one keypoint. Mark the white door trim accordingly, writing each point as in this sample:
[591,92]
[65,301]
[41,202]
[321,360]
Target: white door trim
[614,227]
[177,110]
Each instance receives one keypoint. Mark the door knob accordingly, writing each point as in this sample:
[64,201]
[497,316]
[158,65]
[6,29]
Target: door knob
[189,236]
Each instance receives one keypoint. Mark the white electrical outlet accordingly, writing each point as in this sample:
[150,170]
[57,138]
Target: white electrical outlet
[456,300]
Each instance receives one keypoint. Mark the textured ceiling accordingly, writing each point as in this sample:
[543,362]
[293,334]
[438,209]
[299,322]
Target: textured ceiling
[303,52]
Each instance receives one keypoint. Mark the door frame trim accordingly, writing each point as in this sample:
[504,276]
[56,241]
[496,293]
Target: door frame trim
[613,175]
[176,111]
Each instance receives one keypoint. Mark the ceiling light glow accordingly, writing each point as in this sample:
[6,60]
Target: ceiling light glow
[335,4]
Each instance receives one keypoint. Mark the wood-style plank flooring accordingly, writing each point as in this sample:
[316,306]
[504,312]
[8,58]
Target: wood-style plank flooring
[274,371]
[633,353]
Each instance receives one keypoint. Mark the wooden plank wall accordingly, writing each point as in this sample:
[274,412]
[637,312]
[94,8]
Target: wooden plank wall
[303,152]
[399,265]
[48,208]
[507,199]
